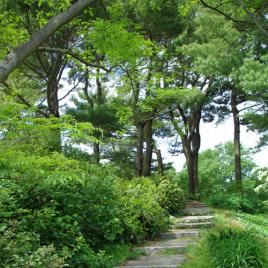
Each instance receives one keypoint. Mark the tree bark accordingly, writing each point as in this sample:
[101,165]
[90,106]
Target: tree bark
[159,161]
[237,143]
[96,147]
[16,57]
[53,85]
[191,145]
[139,148]
[192,170]
[147,164]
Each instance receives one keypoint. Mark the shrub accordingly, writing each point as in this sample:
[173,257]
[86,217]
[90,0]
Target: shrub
[59,213]
[62,214]
[265,206]
[23,249]
[171,197]
[43,257]
[141,212]
[74,221]
[236,249]
[235,201]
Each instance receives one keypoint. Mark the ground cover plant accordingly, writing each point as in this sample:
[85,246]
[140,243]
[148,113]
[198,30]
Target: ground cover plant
[233,248]
[231,243]
[80,223]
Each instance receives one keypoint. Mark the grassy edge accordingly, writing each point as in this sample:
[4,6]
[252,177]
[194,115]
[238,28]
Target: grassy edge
[199,256]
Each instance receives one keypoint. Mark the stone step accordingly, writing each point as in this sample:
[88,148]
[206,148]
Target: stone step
[195,204]
[196,208]
[193,219]
[155,262]
[157,247]
[174,234]
[193,225]
[197,211]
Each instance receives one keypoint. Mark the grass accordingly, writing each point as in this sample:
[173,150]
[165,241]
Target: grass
[257,223]
[199,255]
[120,253]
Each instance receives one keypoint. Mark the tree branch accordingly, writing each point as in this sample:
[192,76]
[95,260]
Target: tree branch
[224,14]
[16,57]
[74,55]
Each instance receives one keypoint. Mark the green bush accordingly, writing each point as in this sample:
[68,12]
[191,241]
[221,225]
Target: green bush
[236,249]
[141,214]
[247,202]
[20,248]
[171,197]
[62,214]
[74,222]
[59,212]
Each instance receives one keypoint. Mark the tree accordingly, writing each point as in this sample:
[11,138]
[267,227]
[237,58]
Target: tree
[94,106]
[217,169]
[219,54]
[16,57]
[247,15]
[250,18]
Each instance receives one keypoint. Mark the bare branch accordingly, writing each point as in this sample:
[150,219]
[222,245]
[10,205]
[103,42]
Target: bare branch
[74,55]
[70,91]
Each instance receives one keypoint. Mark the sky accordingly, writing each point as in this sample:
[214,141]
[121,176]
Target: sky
[212,135]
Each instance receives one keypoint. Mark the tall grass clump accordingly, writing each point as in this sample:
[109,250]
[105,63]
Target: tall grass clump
[236,249]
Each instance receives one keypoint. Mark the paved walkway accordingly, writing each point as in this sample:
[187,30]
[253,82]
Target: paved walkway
[169,250]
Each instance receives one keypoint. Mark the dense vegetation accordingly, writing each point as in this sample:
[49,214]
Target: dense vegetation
[87,91]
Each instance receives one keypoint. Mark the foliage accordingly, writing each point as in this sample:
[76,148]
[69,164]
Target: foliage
[236,249]
[255,223]
[216,167]
[144,67]
[234,201]
[141,212]
[75,217]
[217,183]
[199,256]
[112,38]
[23,249]
[171,196]
[81,219]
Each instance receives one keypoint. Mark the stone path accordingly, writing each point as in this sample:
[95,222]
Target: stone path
[168,251]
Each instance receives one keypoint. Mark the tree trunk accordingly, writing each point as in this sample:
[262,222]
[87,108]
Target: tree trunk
[237,145]
[147,164]
[159,161]
[96,147]
[53,78]
[191,175]
[192,169]
[16,57]
[139,148]
[52,97]
[191,145]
